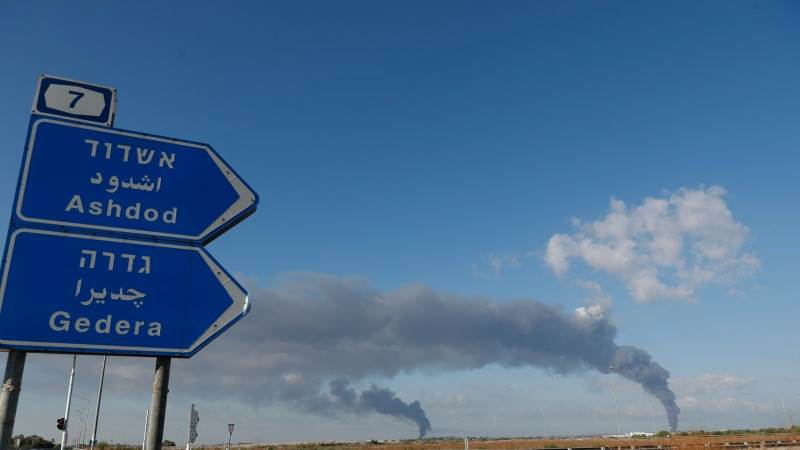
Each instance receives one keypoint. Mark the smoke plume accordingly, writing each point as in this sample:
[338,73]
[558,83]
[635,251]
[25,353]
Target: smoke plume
[380,400]
[313,335]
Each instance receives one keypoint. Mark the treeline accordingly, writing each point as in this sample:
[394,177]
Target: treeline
[773,430]
[23,442]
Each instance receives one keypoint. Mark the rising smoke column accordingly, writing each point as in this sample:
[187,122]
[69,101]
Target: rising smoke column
[311,336]
[637,365]
[379,400]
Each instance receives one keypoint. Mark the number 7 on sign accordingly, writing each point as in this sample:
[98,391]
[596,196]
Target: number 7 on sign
[78,96]
[69,99]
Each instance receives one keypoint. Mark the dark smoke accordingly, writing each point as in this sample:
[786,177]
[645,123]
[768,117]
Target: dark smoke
[313,329]
[382,401]
[637,365]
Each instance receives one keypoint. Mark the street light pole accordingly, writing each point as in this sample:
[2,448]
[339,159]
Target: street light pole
[616,404]
[69,403]
[146,424]
[93,443]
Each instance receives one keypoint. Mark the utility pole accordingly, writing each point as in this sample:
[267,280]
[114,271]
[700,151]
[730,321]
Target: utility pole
[653,418]
[616,405]
[789,420]
[97,408]
[69,403]
[544,422]
[9,396]
[158,404]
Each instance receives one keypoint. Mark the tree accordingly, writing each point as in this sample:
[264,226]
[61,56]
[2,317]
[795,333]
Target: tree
[33,441]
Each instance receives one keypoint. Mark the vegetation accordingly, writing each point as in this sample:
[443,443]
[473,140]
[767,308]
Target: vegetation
[33,441]
[740,432]
[682,440]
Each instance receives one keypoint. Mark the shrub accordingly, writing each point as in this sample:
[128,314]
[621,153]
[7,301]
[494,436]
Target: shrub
[33,441]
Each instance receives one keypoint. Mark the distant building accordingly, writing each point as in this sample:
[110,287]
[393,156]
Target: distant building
[630,435]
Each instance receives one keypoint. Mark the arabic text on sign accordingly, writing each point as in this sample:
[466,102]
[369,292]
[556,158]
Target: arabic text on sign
[99,296]
[115,184]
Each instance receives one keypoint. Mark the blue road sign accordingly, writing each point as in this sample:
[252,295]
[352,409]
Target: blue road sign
[83,178]
[75,100]
[104,253]
[63,292]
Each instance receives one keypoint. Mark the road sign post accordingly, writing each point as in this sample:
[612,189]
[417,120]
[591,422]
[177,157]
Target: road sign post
[104,254]
[9,396]
[158,404]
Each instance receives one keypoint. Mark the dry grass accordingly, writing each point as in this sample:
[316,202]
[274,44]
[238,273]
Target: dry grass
[682,442]
[687,442]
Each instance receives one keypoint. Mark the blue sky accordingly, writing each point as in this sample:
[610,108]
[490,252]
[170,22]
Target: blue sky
[408,142]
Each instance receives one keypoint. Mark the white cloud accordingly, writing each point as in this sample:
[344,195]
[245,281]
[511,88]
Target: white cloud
[559,250]
[665,248]
[590,313]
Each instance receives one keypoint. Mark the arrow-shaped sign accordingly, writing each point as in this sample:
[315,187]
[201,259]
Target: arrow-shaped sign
[76,293]
[83,177]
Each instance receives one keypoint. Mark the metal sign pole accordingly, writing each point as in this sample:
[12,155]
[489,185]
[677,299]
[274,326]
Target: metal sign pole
[69,402]
[97,408]
[158,404]
[9,396]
